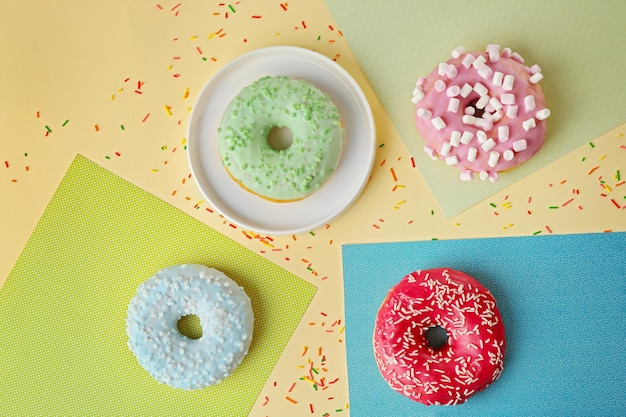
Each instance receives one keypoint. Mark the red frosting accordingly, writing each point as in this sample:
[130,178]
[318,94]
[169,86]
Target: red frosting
[471,358]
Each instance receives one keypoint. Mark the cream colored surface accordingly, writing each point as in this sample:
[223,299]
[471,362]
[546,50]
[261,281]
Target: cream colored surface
[82,62]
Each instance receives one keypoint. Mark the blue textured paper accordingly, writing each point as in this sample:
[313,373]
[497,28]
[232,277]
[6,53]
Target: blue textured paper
[563,302]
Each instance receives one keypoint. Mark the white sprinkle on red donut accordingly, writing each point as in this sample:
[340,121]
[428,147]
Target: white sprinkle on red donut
[471,358]
[482,92]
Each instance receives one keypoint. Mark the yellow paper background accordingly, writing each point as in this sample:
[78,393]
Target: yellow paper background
[68,61]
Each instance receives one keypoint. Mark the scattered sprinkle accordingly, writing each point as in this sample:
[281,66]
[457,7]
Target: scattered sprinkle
[398,204]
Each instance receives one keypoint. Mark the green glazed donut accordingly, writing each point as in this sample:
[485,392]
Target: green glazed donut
[281,102]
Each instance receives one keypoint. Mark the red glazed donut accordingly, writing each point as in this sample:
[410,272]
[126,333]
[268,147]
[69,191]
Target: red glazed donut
[470,359]
[482,112]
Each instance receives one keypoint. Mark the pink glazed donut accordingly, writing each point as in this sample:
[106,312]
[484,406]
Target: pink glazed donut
[483,112]
[468,359]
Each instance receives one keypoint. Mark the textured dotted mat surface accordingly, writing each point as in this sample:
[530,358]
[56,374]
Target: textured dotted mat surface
[562,300]
[62,317]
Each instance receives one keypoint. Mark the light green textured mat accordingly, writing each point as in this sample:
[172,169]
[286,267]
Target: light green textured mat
[578,44]
[63,307]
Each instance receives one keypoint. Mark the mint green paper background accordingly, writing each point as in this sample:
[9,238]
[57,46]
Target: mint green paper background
[63,307]
[580,46]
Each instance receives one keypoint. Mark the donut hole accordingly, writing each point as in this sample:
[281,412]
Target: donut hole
[280,138]
[189,326]
[472,110]
[436,337]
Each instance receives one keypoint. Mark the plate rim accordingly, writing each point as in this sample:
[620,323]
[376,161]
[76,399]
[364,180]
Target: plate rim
[361,102]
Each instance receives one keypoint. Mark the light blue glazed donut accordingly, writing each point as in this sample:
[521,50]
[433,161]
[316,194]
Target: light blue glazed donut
[225,314]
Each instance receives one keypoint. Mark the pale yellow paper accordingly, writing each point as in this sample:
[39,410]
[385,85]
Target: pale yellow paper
[69,62]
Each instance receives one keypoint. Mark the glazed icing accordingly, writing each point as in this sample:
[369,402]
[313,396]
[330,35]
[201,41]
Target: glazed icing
[280,101]
[471,358]
[492,100]
[225,314]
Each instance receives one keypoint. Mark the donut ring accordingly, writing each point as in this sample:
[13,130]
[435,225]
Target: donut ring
[281,174]
[470,359]
[225,314]
[482,112]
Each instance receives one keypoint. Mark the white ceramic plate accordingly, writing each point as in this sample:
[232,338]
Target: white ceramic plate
[255,213]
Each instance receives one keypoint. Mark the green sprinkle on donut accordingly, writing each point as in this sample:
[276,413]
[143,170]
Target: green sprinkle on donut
[281,102]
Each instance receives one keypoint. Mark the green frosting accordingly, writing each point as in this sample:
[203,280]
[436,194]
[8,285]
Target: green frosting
[281,101]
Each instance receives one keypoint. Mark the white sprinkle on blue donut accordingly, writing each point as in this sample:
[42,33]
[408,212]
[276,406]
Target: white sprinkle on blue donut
[226,318]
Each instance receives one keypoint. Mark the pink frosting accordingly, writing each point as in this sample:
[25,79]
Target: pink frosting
[512,126]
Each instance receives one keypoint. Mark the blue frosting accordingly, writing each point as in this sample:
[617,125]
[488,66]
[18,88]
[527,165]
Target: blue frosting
[225,314]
